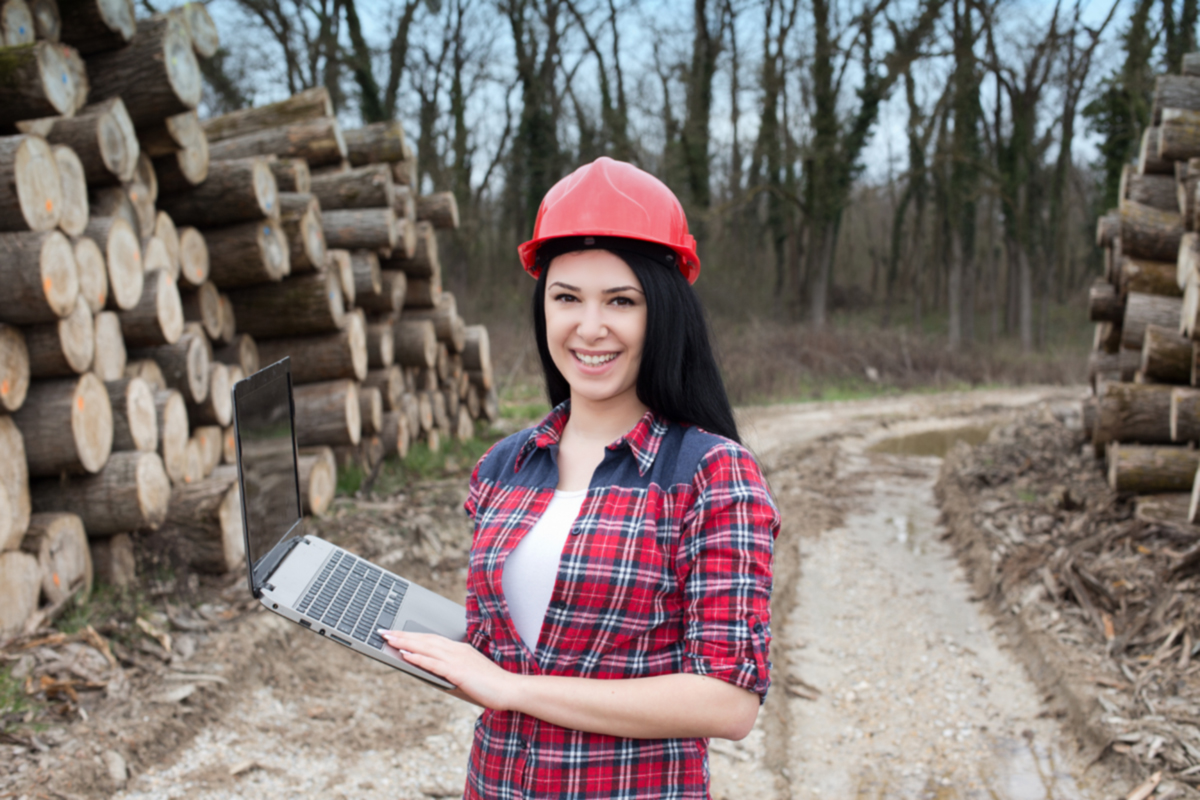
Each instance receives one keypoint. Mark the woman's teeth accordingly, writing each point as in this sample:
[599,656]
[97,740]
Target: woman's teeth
[595,361]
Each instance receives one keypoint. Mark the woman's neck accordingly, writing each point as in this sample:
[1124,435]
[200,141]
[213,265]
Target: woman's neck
[604,421]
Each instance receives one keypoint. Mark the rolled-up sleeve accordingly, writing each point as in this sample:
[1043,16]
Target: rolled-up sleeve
[724,565]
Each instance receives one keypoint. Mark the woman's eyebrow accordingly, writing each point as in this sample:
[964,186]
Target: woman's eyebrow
[566,286]
[623,289]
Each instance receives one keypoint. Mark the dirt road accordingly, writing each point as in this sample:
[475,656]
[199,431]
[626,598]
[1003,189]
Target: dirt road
[889,682]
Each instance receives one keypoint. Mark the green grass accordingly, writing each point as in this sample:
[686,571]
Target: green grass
[106,605]
[14,703]
[349,479]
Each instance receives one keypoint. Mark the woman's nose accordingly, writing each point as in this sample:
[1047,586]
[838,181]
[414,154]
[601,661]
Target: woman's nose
[592,325]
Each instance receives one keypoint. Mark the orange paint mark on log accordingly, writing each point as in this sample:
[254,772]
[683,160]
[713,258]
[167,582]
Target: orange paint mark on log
[133,195]
[47,285]
[79,402]
[4,387]
[57,582]
[49,206]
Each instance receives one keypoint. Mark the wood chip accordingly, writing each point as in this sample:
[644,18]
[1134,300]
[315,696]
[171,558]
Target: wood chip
[244,767]
[1147,788]
[176,695]
[798,688]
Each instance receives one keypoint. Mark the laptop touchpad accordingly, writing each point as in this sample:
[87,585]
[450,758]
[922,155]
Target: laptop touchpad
[412,626]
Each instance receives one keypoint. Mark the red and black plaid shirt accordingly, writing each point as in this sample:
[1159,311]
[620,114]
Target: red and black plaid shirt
[667,570]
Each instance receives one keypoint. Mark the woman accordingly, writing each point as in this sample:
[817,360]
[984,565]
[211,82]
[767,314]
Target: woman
[619,583]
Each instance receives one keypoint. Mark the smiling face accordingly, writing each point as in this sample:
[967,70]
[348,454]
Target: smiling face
[595,325]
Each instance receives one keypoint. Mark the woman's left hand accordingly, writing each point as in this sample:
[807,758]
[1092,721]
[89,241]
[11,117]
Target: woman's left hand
[478,678]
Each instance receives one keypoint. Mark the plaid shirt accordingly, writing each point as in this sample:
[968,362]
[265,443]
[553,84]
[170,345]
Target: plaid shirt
[667,570]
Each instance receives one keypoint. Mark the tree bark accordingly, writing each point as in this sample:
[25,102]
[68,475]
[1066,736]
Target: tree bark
[96,26]
[1148,469]
[171,134]
[317,141]
[247,254]
[312,104]
[209,440]
[1147,309]
[14,485]
[446,322]
[1166,356]
[156,75]
[1185,414]
[157,319]
[30,187]
[370,410]
[327,413]
[1174,91]
[74,213]
[228,322]
[103,137]
[391,296]
[123,256]
[1108,226]
[302,224]
[1133,412]
[439,209]
[14,367]
[364,187]
[360,229]
[194,264]
[60,545]
[67,425]
[217,407]
[184,364]
[390,383]
[241,190]
[64,348]
[36,82]
[1149,162]
[323,357]
[424,262]
[113,561]
[171,413]
[339,264]
[91,274]
[203,305]
[1104,304]
[135,419]
[298,306]
[204,524]
[1157,191]
[20,586]
[415,343]
[148,370]
[1150,233]
[1179,138]
[1149,277]
[131,493]
[185,168]
[477,356]
[379,142]
[423,293]
[292,175]
[364,265]
[242,353]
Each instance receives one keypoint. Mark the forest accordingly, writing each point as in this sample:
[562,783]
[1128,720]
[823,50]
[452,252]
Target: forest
[932,164]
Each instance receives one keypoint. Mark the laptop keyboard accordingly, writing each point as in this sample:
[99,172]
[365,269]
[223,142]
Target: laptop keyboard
[354,598]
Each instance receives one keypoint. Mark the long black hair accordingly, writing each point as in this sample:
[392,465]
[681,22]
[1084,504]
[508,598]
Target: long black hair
[678,377]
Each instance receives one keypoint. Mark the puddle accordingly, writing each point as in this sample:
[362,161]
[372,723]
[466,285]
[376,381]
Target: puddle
[931,443]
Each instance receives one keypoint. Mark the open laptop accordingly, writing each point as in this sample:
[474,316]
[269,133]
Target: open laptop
[300,576]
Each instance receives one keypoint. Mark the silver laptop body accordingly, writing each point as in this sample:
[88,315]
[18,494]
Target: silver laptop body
[302,577]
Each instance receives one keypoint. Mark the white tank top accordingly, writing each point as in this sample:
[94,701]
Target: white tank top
[532,568]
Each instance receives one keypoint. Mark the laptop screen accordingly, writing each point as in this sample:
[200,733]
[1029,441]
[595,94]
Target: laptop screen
[266,458]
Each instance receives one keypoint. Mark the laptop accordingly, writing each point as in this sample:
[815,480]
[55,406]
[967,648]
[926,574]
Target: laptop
[302,577]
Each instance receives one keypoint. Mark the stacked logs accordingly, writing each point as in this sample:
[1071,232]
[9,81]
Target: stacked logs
[1144,413]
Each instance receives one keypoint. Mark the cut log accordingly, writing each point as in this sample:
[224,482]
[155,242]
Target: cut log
[327,413]
[1149,162]
[170,135]
[94,26]
[201,28]
[16,23]
[155,256]
[103,137]
[113,560]
[301,220]
[135,419]
[113,201]
[204,524]
[411,407]
[317,141]
[405,204]
[193,258]
[63,348]
[184,364]
[166,232]
[380,336]
[1133,412]
[477,356]
[156,74]
[415,343]
[74,213]
[323,357]
[424,262]
[58,541]
[437,403]
[390,383]
[1179,139]
[37,82]
[292,175]
[376,143]
[1108,226]
[148,370]
[491,406]
[110,357]
[30,187]
[406,238]
[185,168]
[67,425]
[20,586]
[339,264]
[1185,191]
[390,299]
[318,480]
[204,306]
[311,104]
[433,440]
[77,71]
[193,462]
[464,429]
[395,435]
[247,254]
[1150,233]
[142,191]
[1104,304]
[123,258]
[242,190]
[14,368]
[229,451]
[370,410]
[91,273]
[360,229]
[1188,260]
[404,173]
[1191,64]
[1166,356]
[242,352]
[1102,367]
[1147,309]
[217,407]
[424,292]
[298,306]
[157,318]
[1174,91]
[39,276]
[228,322]
[1185,414]
[364,265]
[365,187]
[442,367]
[473,403]
[208,441]
[441,208]
[1158,191]
[1147,469]
[171,413]
[14,484]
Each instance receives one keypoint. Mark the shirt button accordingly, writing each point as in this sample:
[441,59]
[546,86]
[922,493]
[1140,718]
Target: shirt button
[758,627]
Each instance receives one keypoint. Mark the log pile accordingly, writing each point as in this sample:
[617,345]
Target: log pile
[151,259]
[1143,415]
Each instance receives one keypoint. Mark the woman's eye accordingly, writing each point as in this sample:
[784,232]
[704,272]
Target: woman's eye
[565,298]
[623,301]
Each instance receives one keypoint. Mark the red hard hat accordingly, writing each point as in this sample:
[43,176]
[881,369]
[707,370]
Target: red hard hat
[612,198]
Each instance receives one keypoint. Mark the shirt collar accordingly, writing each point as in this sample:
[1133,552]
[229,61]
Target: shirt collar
[643,440]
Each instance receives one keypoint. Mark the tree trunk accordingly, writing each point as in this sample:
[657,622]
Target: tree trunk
[323,357]
[364,187]
[1157,191]
[20,586]
[1149,277]
[123,257]
[370,410]
[1149,469]
[1166,356]
[295,307]
[184,364]
[60,545]
[96,26]
[1104,304]
[67,425]
[380,343]
[318,480]
[390,383]
[391,296]
[204,523]
[301,221]
[63,348]
[37,83]
[241,190]
[292,175]
[317,141]
[113,560]
[110,357]
[1150,233]
[1133,412]
[360,229]
[243,353]
[73,218]
[327,413]
[217,407]
[424,262]
[415,343]
[1185,414]
[91,274]
[204,306]
[39,276]
[157,319]
[156,75]
[311,104]
[171,412]
[1147,309]
[135,419]
[14,368]
[103,137]
[379,142]
[440,209]
[247,254]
